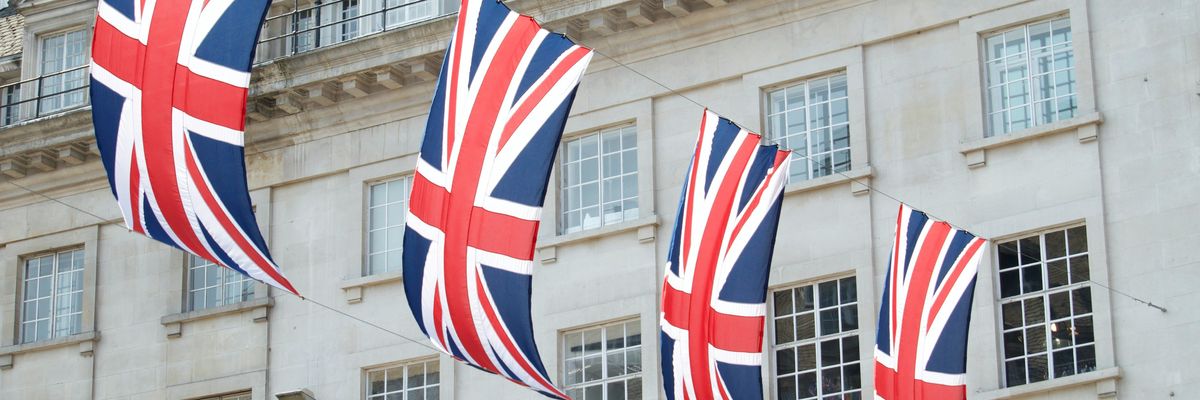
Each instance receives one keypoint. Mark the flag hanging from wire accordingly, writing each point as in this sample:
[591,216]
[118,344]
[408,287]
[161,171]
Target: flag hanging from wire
[498,113]
[715,288]
[921,344]
[168,91]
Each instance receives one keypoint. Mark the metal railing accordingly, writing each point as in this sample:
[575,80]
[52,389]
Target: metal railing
[304,28]
[297,30]
[44,95]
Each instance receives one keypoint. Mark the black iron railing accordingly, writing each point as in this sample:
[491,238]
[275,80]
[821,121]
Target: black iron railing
[44,95]
[304,28]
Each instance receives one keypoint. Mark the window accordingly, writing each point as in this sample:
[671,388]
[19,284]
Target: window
[9,105]
[604,362]
[412,381]
[211,285]
[599,180]
[52,297]
[812,118]
[61,85]
[1030,76]
[816,341]
[302,24]
[385,229]
[1046,306]
[402,12]
[347,11]
[236,396]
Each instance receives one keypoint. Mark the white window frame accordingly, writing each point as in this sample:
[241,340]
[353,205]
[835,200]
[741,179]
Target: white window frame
[1044,294]
[623,133]
[405,12]
[54,295]
[1027,61]
[842,336]
[807,158]
[404,368]
[975,139]
[388,229]
[605,380]
[66,98]
[759,84]
[226,277]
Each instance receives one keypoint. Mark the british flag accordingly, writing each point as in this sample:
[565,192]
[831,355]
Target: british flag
[921,344]
[498,113]
[168,94]
[714,292]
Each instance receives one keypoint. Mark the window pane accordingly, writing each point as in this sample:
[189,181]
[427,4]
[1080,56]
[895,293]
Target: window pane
[375,382]
[785,361]
[805,326]
[806,357]
[784,330]
[783,302]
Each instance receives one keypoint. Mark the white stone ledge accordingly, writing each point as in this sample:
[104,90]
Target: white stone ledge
[1083,125]
[547,247]
[353,288]
[85,341]
[1104,380]
[856,177]
[258,308]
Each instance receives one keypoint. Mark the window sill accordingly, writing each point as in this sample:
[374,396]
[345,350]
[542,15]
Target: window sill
[858,174]
[547,247]
[353,288]
[86,342]
[1083,125]
[257,307]
[1105,380]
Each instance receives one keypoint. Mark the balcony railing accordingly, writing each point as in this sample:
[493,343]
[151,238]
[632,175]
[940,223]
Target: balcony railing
[304,28]
[45,95]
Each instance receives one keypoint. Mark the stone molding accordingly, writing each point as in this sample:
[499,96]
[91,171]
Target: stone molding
[354,288]
[256,307]
[85,341]
[548,247]
[1084,126]
[1104,379]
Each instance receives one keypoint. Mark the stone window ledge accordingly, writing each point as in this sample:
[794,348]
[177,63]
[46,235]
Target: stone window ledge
[353,288]
[1083,125]
[548,247]
[86,342]
[1104,379]
[860,174]
[257,308]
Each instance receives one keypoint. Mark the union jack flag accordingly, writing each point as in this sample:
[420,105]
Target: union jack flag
[921,345]
[498,113]
[714,292]
[168,94]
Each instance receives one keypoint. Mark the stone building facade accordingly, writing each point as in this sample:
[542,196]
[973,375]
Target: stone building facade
[1067,131]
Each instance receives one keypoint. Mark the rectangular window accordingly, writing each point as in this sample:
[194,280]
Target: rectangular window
[52,296]
[812,118]
[411,381]
[211,285]
[61,85]
[1046,306]
[402,12]
[604,362]
[302,24]
[385,224]
[816,341]
[599,180]
[1030,76]
[10,105]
